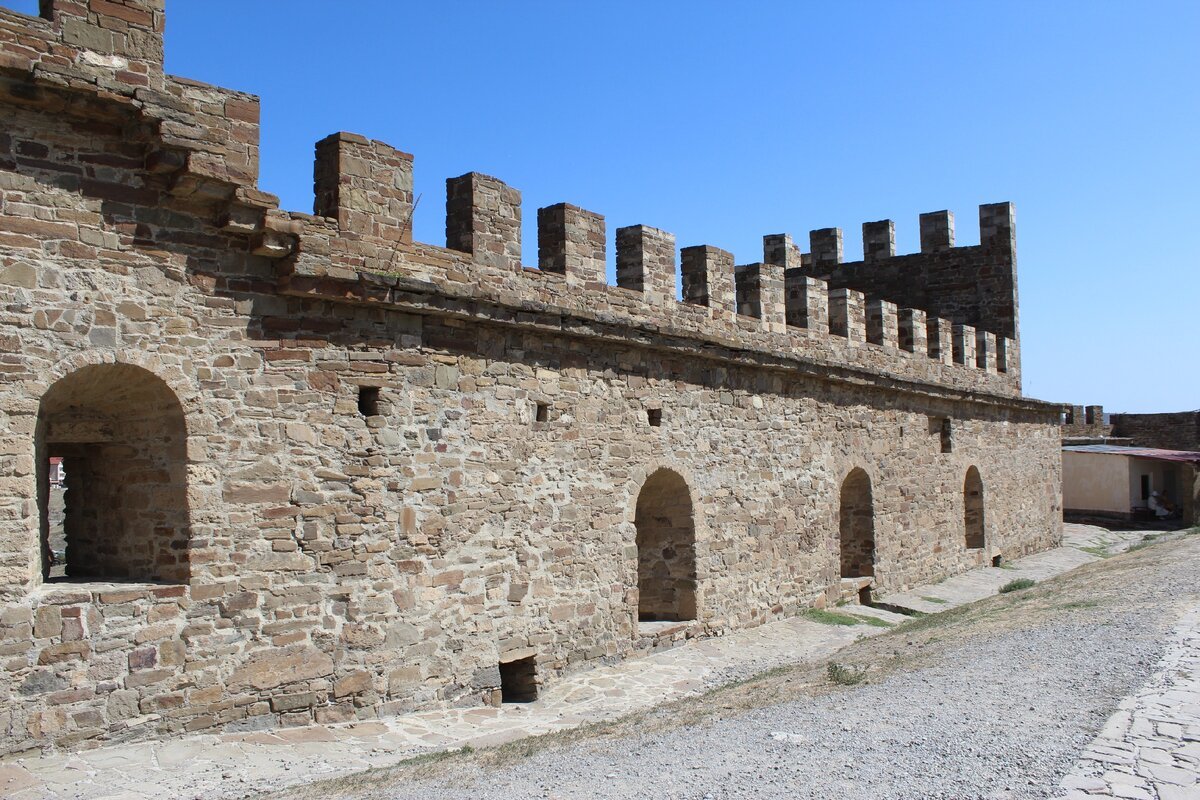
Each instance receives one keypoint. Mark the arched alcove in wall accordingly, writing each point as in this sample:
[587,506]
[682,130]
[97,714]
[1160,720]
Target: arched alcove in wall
[856,523]
[111,445]
[973,512]
[666,545]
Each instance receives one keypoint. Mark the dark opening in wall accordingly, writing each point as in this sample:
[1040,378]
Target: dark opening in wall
[947,435]
[368,401]
[654,417]
[666,549]
[997,561]
[974,523]
[518,680]
[856,524]
[542,413]
[111,445]
[864,596]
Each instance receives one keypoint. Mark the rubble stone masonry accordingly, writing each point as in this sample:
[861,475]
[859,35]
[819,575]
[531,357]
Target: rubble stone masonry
[1179,430]
[316,471]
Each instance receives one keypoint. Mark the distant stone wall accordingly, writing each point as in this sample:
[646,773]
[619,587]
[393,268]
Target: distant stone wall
[1081,423]
[388,471]
[1172,431]
[974,285]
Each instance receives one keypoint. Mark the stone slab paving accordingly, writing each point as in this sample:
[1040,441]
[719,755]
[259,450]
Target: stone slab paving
[1082,543]
[1150,747]
[236,765]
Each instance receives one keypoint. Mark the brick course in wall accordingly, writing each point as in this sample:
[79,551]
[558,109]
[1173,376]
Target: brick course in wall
[388,467]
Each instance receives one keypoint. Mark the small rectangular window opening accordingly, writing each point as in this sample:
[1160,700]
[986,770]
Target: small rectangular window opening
[1145,488]
[542,414]
[997,560]
[518,680]
[654,417]
[368,401]
[947,436]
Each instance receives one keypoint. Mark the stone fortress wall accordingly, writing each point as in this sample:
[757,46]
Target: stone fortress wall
[1175,430]
[317,471]
[1086,424]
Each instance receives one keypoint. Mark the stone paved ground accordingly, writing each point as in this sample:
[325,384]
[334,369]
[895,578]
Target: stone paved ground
[1150,748]
[238,765]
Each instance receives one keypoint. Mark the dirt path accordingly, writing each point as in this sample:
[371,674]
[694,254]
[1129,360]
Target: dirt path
[992,700]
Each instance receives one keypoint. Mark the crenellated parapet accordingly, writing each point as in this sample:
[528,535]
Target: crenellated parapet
[973,286]
[945,317]
[696,298]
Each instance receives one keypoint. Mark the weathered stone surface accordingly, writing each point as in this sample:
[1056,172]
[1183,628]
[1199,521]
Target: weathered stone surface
[309,459]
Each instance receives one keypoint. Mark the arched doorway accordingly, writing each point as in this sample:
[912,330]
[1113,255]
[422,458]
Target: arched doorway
[973,519]
[111,448]
[856,522]
[666,545]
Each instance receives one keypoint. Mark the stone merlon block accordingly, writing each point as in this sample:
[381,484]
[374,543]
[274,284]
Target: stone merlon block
[778,248]
[571,242]
[913,330]
[1004,348]
[760,294]
[483,218]
[366,185]
[941,347]
[707,274]
[847,315]
[998,226]
[807,301]
[882,323]
[879,240]
[646,263]
[963,344]
[985,350]
[825,246]
[937,231]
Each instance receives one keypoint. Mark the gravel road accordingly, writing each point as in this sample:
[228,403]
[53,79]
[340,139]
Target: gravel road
[997,705]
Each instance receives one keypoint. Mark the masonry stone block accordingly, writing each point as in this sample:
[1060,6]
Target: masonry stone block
[847,315]
[882,323]
[646,263]
[807,302]
[367,186]
[913,330]
[937,231]
[779,249]
[760,294]
[483,218]
[826,246]
[707,276]
[963,344]
[985,350]
[571,242]
[941,340]
[879,240]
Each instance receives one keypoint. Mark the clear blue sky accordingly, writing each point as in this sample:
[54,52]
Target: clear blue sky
[721,122]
